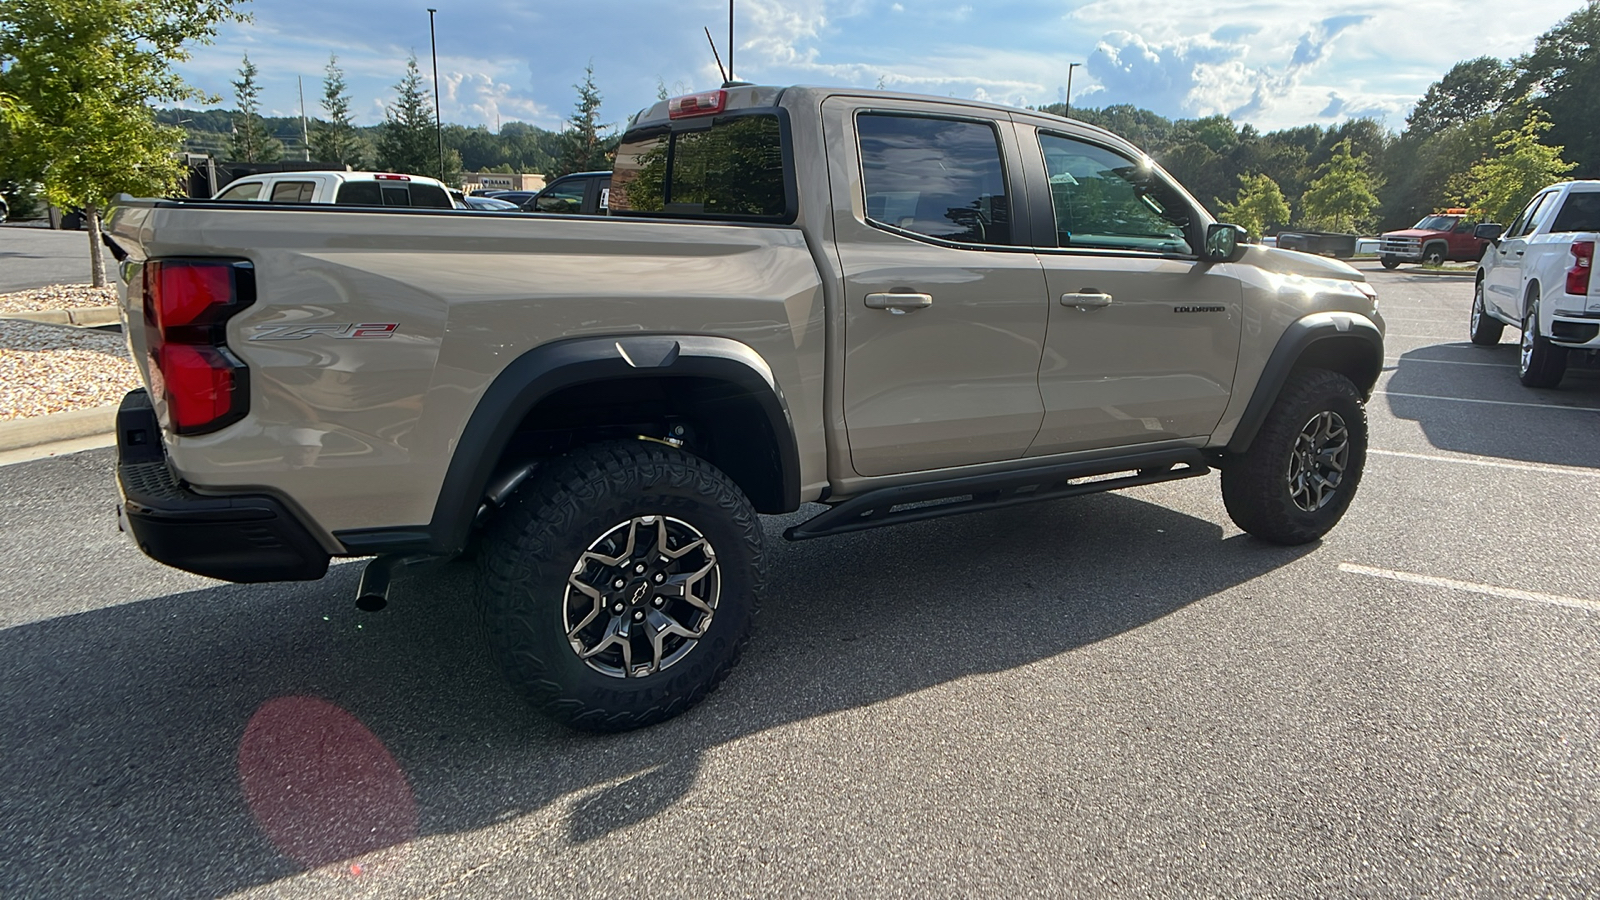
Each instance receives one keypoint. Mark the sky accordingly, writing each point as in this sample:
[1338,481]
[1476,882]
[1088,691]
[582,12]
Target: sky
[1271,64]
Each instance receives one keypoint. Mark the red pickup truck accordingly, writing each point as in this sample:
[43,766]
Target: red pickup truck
[1442,236]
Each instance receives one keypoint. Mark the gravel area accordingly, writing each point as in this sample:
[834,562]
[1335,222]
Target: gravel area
[58,296]
[50,368]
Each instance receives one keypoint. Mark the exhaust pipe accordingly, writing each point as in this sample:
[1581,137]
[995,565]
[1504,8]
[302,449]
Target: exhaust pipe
[372,593]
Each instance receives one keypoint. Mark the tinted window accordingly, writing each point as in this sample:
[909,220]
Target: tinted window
[360,193]
[293,191]
[1530,216]
[431,196]
[735,168]
[938,177]
[562,197]
[1581,212]
[1104,200]
[248,191]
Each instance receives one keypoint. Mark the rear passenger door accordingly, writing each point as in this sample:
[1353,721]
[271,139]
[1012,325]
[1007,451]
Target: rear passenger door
[944,306]
[1144,335]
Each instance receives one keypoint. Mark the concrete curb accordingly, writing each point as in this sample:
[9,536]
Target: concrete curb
[79,316]
[57,427]
[1444,273]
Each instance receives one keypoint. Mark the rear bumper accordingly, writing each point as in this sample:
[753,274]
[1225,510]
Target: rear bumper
[245,537]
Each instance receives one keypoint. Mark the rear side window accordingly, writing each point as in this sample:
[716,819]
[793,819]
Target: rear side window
[1581,212]
[248,191]
[733,169]
[942,178]
[293,191]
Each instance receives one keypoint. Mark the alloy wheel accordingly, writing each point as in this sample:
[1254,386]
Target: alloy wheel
[1317,462]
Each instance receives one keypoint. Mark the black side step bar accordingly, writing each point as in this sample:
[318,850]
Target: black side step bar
[931,500]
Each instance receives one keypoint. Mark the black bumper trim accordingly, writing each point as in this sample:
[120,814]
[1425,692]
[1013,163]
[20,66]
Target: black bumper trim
[243,538]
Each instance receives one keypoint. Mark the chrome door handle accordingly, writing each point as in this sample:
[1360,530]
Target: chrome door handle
[1086,300]
[899,301]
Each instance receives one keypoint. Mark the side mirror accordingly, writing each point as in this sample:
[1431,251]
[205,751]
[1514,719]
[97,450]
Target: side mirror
[1224,243]
[1488,232]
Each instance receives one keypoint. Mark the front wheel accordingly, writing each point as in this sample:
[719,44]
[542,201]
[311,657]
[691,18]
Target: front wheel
[619,587]
[1301,472]
[1390,262]
[1433,256]
[1541,363]
[1485,330]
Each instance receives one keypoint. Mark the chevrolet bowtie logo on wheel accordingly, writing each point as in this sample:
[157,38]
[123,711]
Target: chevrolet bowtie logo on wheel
[638,594]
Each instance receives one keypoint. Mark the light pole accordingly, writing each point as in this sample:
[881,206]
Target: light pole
[438,122]
[1070,67]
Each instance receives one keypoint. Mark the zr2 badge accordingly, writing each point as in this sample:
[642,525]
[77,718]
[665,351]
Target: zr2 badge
[345,331]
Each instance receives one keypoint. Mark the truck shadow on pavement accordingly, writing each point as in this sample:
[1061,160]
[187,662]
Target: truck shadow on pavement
[1532,433]
[132,738]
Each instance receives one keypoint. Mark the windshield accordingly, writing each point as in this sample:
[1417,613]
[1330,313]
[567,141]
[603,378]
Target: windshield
[1437,223]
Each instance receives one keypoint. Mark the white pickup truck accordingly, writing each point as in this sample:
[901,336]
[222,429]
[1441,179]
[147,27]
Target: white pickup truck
[1537,275]
[347,188]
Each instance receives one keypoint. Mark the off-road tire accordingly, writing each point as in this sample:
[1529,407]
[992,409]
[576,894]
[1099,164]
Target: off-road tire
[1482,328]
[1390,262]
[1540,364]
[549,529]
[1257,485]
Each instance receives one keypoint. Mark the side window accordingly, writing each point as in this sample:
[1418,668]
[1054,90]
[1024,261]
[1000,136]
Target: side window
[249,191]
[1580,212]
[1105,201]
[1530,216]
[562,197]
[942,178]
[293,191]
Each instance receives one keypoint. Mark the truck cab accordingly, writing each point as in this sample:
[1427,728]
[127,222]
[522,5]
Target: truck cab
[1443,236]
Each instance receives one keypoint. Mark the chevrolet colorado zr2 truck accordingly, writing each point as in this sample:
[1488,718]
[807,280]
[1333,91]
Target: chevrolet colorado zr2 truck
[896,306]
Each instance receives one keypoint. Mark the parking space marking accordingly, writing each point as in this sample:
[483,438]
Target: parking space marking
[1471,587]
[1489,402]
[1490,463]
[1446,362]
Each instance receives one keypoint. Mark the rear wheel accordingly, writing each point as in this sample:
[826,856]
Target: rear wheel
[1301,472]
[1541,363]
[1485,330]
[619,587]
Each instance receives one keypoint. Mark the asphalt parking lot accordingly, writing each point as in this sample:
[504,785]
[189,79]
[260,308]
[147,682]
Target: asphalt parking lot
[1117,695]
[32,257]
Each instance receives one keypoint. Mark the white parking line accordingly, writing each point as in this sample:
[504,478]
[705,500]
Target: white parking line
[1446,362]
[1493,464]
[1490,402]
[1471,587]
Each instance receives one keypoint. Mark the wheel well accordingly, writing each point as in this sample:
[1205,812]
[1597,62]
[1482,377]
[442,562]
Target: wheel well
[1444,245]
[1353,357]
[723,423]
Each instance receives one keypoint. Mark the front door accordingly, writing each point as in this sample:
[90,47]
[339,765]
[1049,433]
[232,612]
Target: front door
[944,303]
[1144,336]
[1502,276]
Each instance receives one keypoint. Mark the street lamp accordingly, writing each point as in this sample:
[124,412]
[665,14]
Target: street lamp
[1070,67]
[438,122]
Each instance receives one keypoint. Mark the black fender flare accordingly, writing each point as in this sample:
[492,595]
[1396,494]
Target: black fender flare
[1301,336]
[540,373]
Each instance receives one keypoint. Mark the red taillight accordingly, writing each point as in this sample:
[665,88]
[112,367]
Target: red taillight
[706,104]
[387,177]
[1582,265]
[197,383]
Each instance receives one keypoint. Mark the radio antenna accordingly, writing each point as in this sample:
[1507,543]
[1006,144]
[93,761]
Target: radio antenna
[730,40]
[718,56]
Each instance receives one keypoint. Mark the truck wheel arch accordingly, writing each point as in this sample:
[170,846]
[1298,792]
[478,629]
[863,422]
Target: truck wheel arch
[737,372]
[1347,343]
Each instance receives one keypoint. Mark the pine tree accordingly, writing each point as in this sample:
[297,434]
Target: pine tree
[583,147]
[251,142]
[407,143]
[336,140]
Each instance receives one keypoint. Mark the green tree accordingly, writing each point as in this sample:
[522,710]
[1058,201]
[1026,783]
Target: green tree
[336,140]
[78,78]
[1500,185]
[251,142]
[408,143]
[1258,205]
[1472,88]
[584,145]
[1345,194]
[1562,76]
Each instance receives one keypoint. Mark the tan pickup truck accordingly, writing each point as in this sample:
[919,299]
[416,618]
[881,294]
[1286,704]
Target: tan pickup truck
[897,306]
